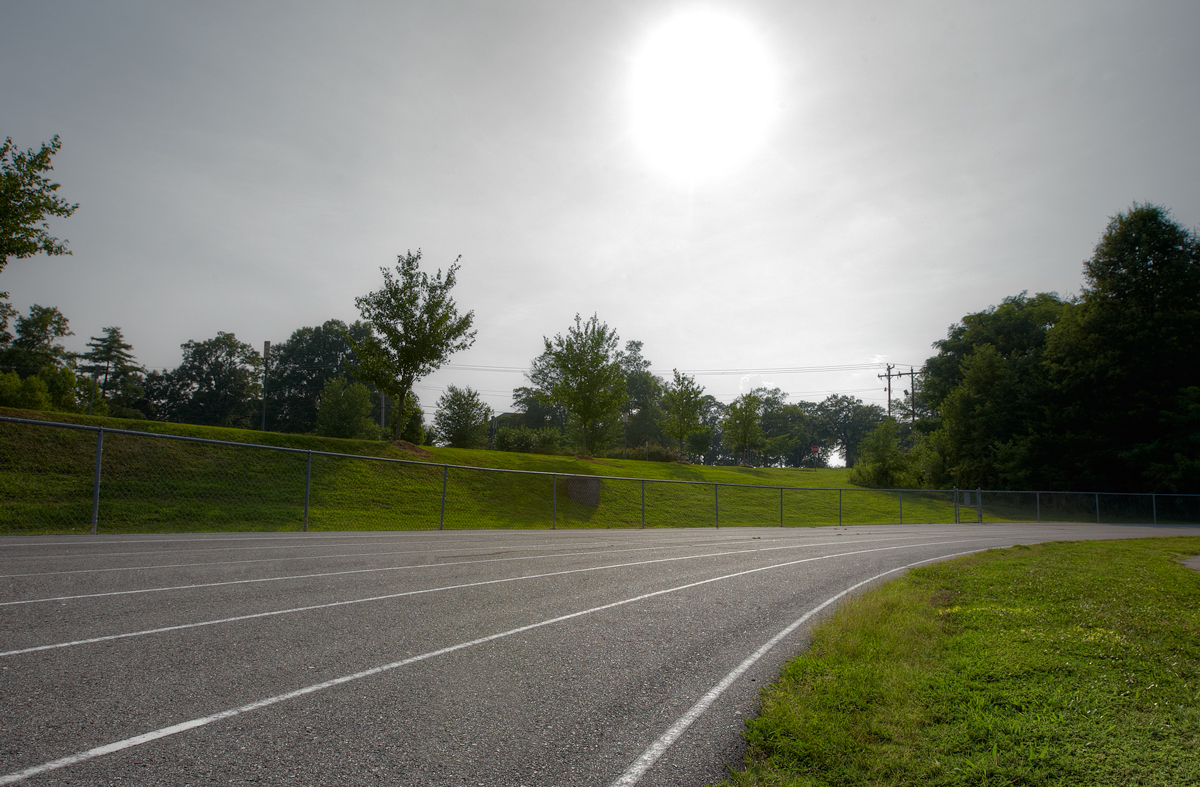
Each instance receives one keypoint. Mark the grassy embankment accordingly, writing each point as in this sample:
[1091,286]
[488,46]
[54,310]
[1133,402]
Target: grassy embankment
[148,485]
[1057,664]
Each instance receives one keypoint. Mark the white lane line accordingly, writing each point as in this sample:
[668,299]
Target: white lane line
[348,572]
[252,616]
[192,724]
[634,773]
[356,554]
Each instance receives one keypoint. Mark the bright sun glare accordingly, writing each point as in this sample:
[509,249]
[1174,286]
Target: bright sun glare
[703,95]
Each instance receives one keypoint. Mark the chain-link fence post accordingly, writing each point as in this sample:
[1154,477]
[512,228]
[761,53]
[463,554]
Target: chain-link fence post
[901,493]
[979,504]
[307,486]
[1038,504]
[553,501]
[643,504]
[442,515]
[839,508]
[1097,495]
[96,481]
[1154,507]
[781,506]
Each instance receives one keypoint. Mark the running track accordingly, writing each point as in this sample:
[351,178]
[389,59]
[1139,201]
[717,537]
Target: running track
[574,657]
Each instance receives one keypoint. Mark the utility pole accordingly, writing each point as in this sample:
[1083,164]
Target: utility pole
[912,391]
[266,356]
[889,377]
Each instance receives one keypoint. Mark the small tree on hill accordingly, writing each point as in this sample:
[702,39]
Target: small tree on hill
[741,430]
[462,418]
[682,403]
[345,411]
[414,328]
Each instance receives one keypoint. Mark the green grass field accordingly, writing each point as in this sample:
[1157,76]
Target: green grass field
[1058,664]
[157,485]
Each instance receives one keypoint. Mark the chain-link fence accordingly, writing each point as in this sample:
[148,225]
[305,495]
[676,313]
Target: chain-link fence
[67,478]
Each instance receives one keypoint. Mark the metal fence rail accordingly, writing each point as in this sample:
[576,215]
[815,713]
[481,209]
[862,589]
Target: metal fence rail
[69,478]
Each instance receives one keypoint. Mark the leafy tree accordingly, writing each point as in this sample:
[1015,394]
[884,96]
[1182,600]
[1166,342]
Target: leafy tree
[847,420]
[344,410]
[582,372]
[538,410]
[216,384]
[461,420]
[27,198]
[36,344]
[299,369]
[643,408]
[881,463]
[1118,358]
[111,361]
[682,402]
[741,431]
[28,394]
[414,327]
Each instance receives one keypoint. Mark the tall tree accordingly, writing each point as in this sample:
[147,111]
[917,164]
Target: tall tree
[36,345]
[742,427]
[682,402]
[643,407]
[461,420]
[217,383]
[27,199]
[582,372]
[414,327]
[344,410]
[110,359]
[847,420]
[300,368]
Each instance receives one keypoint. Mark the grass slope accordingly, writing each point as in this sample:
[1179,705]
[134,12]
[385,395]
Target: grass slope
[166,485]
[1058,664]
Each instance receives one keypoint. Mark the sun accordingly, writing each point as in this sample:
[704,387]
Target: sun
[703,94]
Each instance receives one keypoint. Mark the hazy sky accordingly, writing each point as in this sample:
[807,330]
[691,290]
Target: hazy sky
[248,167]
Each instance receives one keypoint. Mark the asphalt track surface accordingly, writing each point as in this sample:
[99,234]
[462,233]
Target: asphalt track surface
[576,657]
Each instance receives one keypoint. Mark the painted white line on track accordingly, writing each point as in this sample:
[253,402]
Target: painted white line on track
[200,585]
[192,724]
[634,773]
[360,554]
[348,602]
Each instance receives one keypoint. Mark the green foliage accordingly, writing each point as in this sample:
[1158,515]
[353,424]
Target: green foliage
[461,420]
[414,328]
[1056,664]
[299,368]
[741,429]
[36,344]
[581,372]
[344,410]
[111,362]
[881,464]
[643,410]
[217,384]
[681,403]
[408,421]
[521,439]
[28,394]
[27,199]
[846,420]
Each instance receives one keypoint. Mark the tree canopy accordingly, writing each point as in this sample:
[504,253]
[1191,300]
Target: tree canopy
[414,328]
[27,199]
[461,420]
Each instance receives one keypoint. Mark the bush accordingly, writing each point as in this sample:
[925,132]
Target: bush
[521,439]
[462,418]
[28,394]
[345,411]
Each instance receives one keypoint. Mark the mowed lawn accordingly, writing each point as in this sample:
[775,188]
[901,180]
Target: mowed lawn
[150,485]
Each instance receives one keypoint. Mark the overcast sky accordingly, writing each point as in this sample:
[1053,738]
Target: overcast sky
[248,167]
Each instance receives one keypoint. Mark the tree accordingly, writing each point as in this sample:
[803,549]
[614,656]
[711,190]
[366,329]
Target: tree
[216,384]
[27,198]
[847,421]
[300,367]
[643,407]
[582,372]
[881,464]
[742,427]
[111,360]
[682,401]
[35,346]
[344,410]
[414,328]
[461,420]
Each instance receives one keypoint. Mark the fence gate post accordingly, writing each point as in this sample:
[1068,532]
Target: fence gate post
[643,503]
[307,487]
[717,505]
[553,501]
[442,515]
[96,481]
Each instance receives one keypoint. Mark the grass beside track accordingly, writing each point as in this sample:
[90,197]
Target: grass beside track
[155,485]
[1057,664]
